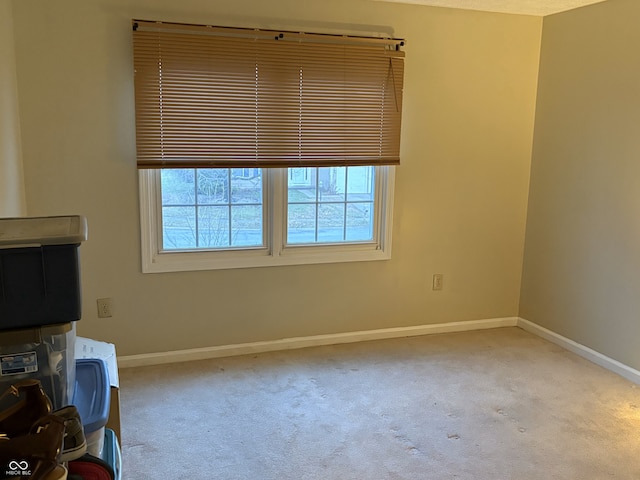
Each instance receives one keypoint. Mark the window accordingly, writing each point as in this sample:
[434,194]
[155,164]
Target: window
[256,151]
[211,208]
[332,205]
[204,219]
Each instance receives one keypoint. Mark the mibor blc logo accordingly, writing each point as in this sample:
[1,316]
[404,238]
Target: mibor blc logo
[17,468]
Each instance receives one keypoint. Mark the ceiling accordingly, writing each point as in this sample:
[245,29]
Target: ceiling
[520,7]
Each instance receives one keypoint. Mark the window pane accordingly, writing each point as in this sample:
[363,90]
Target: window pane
[198,208]
[302,185]
[360,183]
[331,222]
[246,186]
[246,226]
[359,222]
[213,227]
[213,186]
[331,182]
[344,205]
[178,228]
[178,186]
[301,227]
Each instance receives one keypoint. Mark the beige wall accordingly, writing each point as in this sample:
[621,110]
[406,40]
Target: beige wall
[461,192]
[582,258]
[12,200]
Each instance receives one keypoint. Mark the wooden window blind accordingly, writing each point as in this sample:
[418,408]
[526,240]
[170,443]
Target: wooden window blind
[217,97]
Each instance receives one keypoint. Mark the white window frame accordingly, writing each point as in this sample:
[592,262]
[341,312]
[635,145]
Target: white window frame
[275,252]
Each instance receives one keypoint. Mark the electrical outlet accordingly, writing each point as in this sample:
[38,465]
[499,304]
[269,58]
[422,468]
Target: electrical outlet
[105,307]
[437,281]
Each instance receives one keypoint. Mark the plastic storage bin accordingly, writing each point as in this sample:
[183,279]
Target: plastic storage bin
[44,353]
[92,398]
[39,270]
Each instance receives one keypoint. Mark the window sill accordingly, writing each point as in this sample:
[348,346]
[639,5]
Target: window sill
[196,261]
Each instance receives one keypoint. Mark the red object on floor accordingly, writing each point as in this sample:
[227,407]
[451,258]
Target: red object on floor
[89,467]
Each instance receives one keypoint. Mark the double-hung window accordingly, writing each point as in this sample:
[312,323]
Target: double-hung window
[260,148]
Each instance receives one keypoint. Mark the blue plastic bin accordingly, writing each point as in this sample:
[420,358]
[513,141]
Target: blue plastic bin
[92,397]
[111,453]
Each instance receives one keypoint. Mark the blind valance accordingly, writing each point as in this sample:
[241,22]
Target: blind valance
[215,97]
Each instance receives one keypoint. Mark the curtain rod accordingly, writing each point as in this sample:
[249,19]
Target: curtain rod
[258,33]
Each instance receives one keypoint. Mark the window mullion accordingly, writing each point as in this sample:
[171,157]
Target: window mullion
[230,200]
[197,208]
[153,182]
[317,201]
[384,182]
[380,180]
[346,192]
[277,214]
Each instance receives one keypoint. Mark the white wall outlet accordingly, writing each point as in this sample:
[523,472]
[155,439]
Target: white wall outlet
[437,281]
[105,307]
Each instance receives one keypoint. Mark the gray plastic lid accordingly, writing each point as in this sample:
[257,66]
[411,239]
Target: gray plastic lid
[37,231]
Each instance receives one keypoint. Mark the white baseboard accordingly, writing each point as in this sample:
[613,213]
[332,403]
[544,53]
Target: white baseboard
[311,341]
[176,356]
[585,352]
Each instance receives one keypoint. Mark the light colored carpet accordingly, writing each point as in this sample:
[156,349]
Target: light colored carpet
[486,405]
